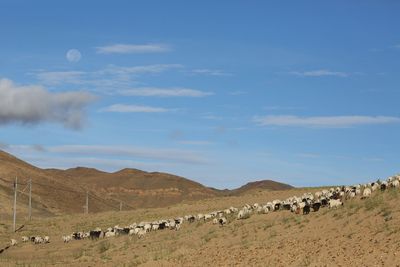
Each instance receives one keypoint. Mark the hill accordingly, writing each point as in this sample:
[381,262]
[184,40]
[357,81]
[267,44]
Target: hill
[57,191]
[260,186]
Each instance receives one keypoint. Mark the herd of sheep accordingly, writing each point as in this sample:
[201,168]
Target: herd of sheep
[332,198]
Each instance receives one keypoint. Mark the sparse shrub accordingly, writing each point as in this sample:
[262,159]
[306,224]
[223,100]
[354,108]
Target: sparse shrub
[386,213]
[272,234]
[104,246]
[373,202]
[78,254]
[338,215]
[268,225]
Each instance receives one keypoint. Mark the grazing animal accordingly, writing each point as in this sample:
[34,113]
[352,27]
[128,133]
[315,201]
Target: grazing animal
[25,239]
[316,206]
[306,209]
[109,234]
[96,233]
[13,242]
[154,227]
[66,238]
[222,221]
[383,186]
[141,233]
[366,193]
[38,240]
[335,203]
[243,214]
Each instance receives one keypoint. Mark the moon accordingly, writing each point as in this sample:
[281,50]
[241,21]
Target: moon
[73,55]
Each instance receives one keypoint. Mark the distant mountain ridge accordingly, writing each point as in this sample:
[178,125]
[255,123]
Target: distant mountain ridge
[56,191]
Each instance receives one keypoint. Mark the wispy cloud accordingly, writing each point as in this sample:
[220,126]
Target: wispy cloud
[237,93]
[308,155]
[177,155]
[121,108]
[106,156]
[34,104]
[165,92]
[195,142]
[211,72]
[319,73]
[323,122]
[280,108]
[132,48]
[155,68]
[212,117]
[60,77]
[107,79]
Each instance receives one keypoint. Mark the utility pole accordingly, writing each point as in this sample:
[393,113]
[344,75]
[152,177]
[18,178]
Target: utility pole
[87,202]
[15,202]
[120,206]
[30,198]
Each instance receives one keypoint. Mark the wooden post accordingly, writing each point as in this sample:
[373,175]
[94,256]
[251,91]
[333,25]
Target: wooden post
[30,198]
[15,202]
[87,202]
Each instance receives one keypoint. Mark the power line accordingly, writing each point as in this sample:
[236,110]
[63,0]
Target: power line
[104,201]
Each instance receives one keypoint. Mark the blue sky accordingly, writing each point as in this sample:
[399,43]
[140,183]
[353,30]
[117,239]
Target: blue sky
[221,92]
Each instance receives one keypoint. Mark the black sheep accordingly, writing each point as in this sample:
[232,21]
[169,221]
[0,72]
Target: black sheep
[306,209]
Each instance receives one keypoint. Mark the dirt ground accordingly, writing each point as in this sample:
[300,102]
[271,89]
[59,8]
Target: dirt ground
[361,233]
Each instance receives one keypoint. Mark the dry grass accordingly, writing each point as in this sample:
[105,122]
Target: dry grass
[357,234]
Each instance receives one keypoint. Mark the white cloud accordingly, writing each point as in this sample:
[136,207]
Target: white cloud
[121,108]
[326,122]
[34,104]
[210,72]
[132,48]
[319,73]
[165,92]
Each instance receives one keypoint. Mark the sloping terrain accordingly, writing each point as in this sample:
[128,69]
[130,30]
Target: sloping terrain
[361,233]
[57,192]
[259,186]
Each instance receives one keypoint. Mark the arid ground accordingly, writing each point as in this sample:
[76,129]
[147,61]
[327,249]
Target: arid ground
[361,233]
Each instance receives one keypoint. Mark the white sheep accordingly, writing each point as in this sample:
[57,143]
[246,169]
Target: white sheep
[13,242]
[109,234]
[335,203]
[155,227]
[66,238]
[25,239]
[38,240]
[366,193]
[141,233]
[243,214]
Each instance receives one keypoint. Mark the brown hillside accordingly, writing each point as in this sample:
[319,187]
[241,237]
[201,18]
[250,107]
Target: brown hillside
[261,185]
[57,191]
